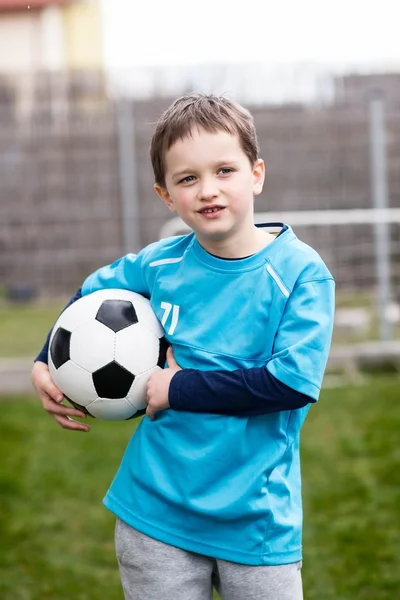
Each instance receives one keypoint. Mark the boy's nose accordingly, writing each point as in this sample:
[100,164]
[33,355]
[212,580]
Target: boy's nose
[208,191]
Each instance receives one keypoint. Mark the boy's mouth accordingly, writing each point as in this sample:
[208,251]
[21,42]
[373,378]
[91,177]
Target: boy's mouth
[211,209]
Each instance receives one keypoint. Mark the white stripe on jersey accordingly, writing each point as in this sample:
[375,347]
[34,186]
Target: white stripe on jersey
[165,261]
[278,280]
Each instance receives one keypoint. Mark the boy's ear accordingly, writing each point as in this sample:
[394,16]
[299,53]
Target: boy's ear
[258,176]
[165,197]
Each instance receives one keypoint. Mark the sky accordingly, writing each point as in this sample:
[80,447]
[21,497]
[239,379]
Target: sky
[345,34]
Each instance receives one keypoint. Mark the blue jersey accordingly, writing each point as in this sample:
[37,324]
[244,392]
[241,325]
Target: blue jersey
[220,485]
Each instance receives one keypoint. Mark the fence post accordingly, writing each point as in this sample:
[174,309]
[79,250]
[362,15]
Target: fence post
[380,201]
[127,176]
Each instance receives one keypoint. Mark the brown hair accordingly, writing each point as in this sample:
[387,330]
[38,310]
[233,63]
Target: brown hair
[204,111]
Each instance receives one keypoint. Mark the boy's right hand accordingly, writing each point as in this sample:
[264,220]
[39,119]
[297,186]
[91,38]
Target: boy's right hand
[51,398]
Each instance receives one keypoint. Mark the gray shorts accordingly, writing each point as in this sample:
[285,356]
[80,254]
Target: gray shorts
[152,570]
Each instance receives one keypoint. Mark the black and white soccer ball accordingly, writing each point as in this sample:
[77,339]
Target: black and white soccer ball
[102,351]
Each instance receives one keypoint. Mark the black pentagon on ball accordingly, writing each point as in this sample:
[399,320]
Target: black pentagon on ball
[117,314]
[59,348]
[112,381]
[162,355]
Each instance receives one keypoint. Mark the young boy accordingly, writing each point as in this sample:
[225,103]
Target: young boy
[209,492]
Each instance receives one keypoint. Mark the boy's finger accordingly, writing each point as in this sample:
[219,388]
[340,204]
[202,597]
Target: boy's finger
[171,358]
[150,413]
[54,393]
[60,409]
[65,411]
[68,423]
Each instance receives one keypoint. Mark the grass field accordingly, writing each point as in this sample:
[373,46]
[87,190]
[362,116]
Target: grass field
[24,328]
[57,538]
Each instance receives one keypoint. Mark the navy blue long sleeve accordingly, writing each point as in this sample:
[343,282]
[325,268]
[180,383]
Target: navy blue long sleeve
[243,392]
[44,353]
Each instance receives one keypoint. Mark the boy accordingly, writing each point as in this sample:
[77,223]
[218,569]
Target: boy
[208,492]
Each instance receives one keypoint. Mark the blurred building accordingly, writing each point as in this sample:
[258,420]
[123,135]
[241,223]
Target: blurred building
[39,35]
[41,41]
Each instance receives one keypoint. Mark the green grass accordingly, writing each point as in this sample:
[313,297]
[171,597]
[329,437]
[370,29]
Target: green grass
[24,328]
[351,476]
[57,538]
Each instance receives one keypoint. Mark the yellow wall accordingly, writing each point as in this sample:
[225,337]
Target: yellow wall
[83,35]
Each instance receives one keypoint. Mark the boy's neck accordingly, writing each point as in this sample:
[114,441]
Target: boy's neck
[239,247]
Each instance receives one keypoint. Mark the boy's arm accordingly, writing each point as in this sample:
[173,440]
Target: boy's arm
[246,392]
[291,379]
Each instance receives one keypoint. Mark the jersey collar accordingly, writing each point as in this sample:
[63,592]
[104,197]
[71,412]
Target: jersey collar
[284,235]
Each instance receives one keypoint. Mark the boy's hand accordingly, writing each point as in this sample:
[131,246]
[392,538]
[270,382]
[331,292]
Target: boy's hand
[52,398]
[158,386]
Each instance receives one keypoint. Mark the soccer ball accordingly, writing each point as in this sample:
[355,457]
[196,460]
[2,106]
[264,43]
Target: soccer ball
[102,351]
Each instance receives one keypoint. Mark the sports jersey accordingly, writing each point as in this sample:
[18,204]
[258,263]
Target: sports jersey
[223,485]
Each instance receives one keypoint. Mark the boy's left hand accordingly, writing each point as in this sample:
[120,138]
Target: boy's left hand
[158,386]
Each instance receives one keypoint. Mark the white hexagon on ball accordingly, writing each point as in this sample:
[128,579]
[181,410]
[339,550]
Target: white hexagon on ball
[75,383]
[92,345]
[117,409]
[136,348]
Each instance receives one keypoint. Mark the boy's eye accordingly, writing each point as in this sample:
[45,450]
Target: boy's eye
[225,170]
[187,179]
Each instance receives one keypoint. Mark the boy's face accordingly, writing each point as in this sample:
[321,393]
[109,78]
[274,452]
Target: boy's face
[210,183]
